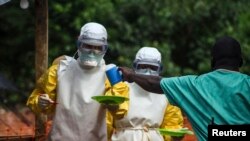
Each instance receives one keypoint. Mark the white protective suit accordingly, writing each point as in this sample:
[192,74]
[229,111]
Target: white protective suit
[147,111]
[75,107]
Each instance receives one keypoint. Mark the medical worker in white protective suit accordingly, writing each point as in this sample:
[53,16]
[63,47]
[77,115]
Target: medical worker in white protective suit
[146,112]
[65,90]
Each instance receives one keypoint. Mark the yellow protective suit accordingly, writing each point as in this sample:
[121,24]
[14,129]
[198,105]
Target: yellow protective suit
[76,116]
[47,84]
[147,112]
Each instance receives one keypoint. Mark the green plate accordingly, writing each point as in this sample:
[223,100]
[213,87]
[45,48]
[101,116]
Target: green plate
[110,99]
[176,132]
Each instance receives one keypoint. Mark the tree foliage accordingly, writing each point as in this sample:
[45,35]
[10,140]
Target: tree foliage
[183,31]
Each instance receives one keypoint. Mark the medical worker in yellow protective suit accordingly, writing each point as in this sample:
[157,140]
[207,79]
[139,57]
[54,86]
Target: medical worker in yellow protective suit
[65,90]
[146,112]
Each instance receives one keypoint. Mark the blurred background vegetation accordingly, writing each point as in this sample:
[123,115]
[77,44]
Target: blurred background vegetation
[183,31]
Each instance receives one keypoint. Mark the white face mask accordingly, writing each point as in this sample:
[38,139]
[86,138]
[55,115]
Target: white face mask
[146,72]
[89,60]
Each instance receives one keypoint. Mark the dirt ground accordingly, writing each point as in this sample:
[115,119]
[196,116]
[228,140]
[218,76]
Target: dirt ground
[20,125]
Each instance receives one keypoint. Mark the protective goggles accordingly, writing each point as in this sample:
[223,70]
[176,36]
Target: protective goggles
[92,41]
[98,50]
[147,65]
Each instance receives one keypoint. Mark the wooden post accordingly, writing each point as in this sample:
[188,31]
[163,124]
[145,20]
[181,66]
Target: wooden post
[41,55]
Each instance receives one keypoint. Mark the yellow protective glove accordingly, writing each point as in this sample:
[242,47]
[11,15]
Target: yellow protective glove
[44,101]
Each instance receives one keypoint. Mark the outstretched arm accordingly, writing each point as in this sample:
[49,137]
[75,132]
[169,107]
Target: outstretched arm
[149,83]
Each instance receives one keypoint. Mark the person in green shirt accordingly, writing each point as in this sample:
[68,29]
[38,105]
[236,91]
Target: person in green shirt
[221,96]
